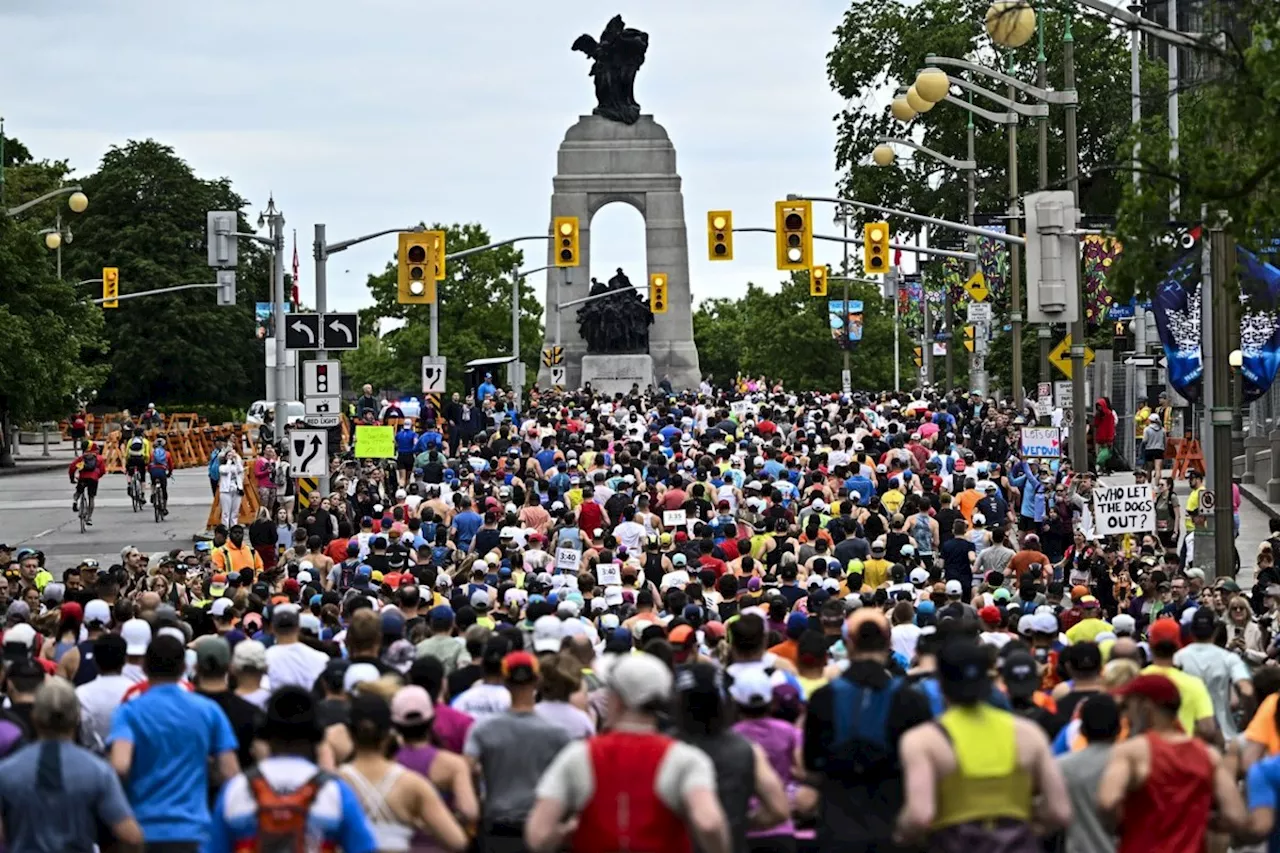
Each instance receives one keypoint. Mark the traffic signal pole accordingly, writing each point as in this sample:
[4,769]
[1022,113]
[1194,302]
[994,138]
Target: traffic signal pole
[1079,411]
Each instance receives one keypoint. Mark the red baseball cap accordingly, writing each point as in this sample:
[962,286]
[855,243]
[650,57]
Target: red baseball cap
[1160,689]
[1165,631]
[990,614]
[680,635]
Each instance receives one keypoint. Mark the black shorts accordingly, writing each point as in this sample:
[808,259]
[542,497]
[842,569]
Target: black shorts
[1152,455]
[88,487]
[138,464]
[404,461]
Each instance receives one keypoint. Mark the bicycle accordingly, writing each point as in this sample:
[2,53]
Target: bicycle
[137,490]
[159,501]
[85,511]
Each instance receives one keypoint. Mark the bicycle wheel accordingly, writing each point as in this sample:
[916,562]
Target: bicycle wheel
[135,491]
[84,513]
[159,508]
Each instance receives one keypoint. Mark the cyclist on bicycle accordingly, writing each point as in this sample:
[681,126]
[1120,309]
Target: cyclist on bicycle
[85,472]
[137,455]
[160,465]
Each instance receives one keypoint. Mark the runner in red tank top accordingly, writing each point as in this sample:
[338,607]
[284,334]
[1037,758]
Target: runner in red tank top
[631,789]
[1163,786]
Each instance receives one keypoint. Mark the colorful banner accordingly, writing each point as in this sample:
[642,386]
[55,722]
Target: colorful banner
[1259,323]
[1099,254]
[846,321]
[993,260]
[1177,308]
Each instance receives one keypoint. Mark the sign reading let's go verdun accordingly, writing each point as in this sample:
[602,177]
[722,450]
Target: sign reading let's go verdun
[1124,509]
[1041,442]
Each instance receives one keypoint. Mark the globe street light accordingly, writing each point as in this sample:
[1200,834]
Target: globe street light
[1011,23]
[917,102]
[53,240]
[932,84]
[883,155]
[78,202]
[902,110]
[1236,359]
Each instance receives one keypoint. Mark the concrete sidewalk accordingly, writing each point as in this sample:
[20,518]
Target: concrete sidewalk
[30,458]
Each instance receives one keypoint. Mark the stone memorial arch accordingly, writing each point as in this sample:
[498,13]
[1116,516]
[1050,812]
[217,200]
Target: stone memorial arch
[601,162]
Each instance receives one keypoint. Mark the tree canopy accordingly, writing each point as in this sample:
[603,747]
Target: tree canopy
[149,220]
[474,317]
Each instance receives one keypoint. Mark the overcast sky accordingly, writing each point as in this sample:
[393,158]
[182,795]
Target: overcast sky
[369,114]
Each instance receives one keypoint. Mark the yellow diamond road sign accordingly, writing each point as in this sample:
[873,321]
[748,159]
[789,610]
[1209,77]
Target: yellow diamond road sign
[1061,356]
[976,287]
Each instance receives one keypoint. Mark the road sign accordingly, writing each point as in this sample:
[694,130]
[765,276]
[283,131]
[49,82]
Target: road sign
[558,377]
[302,331]
[321,378]
[341,331]
[433,374]
[976,287]
[1062,393]
[979,312]
[1141,360]
[308,452]
[846,381]
[1207,501]
[322,421]
[1061,356]
[551,356]
[330,404]
[1044,391]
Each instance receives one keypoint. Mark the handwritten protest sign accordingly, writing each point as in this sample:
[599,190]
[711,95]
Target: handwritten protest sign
[1041,443]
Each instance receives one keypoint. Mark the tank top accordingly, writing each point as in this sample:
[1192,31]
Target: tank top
[61,647]
[725,493]
[1168,814]
[986,801]
[625,812]
[735,763]
[778,739]
[922,533]
[88,669]
[419,759]
[390,835]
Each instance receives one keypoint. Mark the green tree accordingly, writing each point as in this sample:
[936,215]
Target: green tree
[787,335]
[1229,149]
[48,333]
[147,217]
[474,318]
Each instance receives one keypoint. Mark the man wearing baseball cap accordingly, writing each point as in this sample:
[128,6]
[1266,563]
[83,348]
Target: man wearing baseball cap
[512,750]
[991,772]
[668,794]
[1166,765]
[1195,712]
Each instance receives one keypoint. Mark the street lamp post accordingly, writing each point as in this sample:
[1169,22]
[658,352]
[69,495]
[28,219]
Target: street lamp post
[57,235]
[517,379]
[930,83]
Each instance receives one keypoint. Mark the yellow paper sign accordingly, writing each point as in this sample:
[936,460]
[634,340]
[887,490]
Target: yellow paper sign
[375,442]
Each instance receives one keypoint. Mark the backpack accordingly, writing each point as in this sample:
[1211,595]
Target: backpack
[90,462]
[861,750]
[283,817]
[159,457]
[136,446]
[347,575]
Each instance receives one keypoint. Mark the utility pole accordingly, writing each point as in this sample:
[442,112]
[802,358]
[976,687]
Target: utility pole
[1015,256]
[322,305]
[1079,411]
[1044,334]
[275,219]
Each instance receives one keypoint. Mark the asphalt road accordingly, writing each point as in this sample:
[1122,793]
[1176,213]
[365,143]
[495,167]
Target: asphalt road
[35,512]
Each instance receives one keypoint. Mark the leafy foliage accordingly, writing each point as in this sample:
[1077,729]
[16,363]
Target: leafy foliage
[147,217]
[786,336]
[474,317]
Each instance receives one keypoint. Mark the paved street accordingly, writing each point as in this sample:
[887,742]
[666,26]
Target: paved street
[35,511]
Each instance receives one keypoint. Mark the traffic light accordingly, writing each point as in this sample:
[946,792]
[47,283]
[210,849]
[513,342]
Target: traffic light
[720,235]
[818,281]
[110,287]
[919,357]
[437,253]
[793,226]
[566,237]
[417,264]
[968,337]
[875,248]
[1052,257]
[658,292]
[226,287]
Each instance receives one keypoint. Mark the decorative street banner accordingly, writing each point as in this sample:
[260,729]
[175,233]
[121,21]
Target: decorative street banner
[845,321]
[1124,509]
[1177,308]
[1041,442]
[1099,254]
[1259,323]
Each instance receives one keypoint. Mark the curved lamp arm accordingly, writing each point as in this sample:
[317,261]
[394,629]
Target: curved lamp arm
[1046,95]
[960,165]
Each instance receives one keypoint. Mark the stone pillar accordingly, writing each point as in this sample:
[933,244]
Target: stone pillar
[1273,484]
[1252,445]
[601,162]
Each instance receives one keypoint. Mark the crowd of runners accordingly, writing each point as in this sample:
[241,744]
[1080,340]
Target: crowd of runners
[740,621]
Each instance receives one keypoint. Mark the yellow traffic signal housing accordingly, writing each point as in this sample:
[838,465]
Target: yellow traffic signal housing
[110,287]
[875,248]
[437,255]
[565,230]
[793,227]
[658,292]
[968,338]
[417,262]
[919,357]
[720,235]
[818,281]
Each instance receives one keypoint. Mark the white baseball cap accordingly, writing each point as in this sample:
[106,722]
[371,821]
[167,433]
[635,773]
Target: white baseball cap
[954,588]
[137,636]
[220,607]
[21,634]
[548,632]
[919,576]
[97,611]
